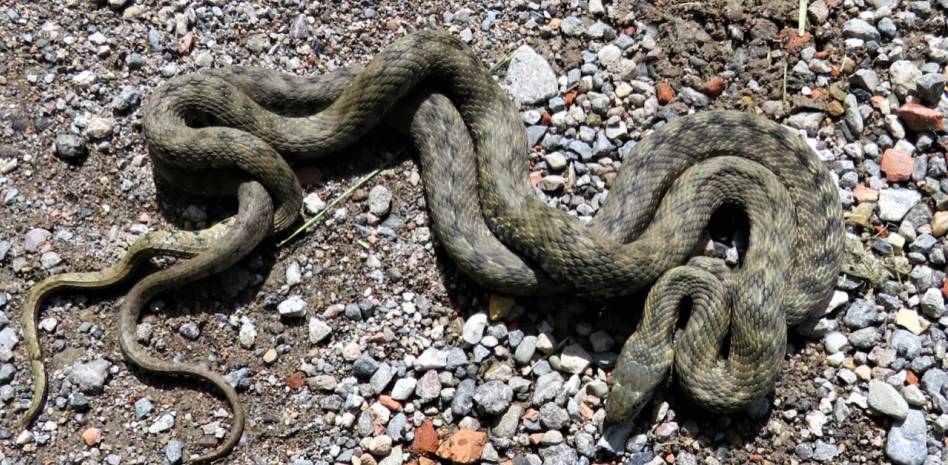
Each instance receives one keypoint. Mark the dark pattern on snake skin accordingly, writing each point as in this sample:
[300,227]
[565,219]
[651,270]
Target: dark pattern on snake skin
[259,123]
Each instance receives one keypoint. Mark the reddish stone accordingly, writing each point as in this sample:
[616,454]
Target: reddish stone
[756,458]
[944,288]
[92,436]
[390,403]
[546,119]
[530,415]
[876,101]
[465,446]
[570,97]
[792,42]
[426,439]
[865,194]
[714,87]
[822,54]
[296,380]
[921,118]
[911,377]
[897,165]
[664,92]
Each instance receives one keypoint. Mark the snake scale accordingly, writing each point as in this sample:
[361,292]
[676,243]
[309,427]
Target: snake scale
[241,129]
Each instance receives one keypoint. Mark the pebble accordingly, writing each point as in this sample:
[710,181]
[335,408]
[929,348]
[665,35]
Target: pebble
[293,307]
[474,327]
[885,400]
[380,201]
[69,147]
[531,78]
[906,441]
[174,451]
[894,204]
[318,330]
[90,377]
[493,398]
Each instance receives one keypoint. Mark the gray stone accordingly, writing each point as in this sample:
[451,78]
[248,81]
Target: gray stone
[474,327]
[90,377]
[34,238]
[865,78]
[143,407]
[933,382]
[906,441]
[382,377]
[865,338]
[173,452]
[885,400]
[895,203]
[572,26]
[364,366]
[906,344]
[932,303]
[553,416]
[823,451]
[531,78]
[463,400]
[861,313]
[69,147]
[904,76]
[808,120]
[526,350]
[380,201]
[7,372]
[403,388]
[432,359]
[318,330]
[189,330]
[292,307]
[428,387]
[128,98]
[860,29]
[930,87]
[548,386]
[560,454]
[506,426]
[162,424]
[493,398]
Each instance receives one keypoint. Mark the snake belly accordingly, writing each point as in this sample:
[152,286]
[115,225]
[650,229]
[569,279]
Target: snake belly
[228,125]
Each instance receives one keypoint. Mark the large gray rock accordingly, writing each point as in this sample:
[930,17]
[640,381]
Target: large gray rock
[905,444]
[532,80]
[884,399]
[90,377]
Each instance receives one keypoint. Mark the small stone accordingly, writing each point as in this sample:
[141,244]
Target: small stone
[92,436]
[90,377]
[174,451]
[932,303]
[860,29]
[493,398]
[531,78]
[885,400]
[34,238]
[380,201]
[920,118]
[940,223]
[909,320]
[904,75]
[247,334]
[403,388]
[426,439]
[895,203]
[906,441]
[189,330]
[428,387]
[664,93]
[473,329]
[162,424]
[270,356]
[464,446]
[293,307]
[318,330]
[99,128]
[364,366]
[930,87]
[897,165]
[69,147]
[380,446]
[574,359]
[143,408]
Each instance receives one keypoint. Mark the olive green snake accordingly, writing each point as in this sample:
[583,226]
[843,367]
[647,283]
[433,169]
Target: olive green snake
[241,129]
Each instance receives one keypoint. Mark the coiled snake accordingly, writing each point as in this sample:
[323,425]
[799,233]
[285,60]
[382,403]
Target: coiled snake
[241,129]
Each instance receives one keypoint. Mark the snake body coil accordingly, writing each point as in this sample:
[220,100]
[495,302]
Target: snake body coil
[211,132]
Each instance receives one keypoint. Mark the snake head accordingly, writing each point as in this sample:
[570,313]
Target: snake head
[632,389]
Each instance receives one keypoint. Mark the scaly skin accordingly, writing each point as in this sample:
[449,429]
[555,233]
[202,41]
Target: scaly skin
[209,132]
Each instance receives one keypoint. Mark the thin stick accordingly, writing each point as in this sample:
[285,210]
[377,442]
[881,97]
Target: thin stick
[785,81]
[801,19]
[336,201]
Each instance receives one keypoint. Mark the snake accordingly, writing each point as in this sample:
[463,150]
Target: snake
[242,129]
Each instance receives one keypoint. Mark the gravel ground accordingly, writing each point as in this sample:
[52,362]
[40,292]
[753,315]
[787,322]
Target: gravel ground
[361,343]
